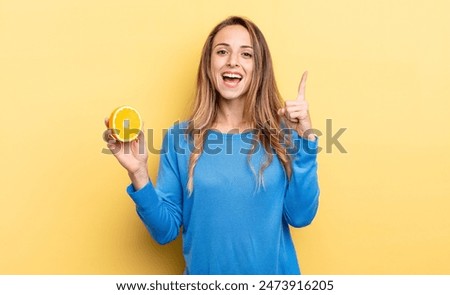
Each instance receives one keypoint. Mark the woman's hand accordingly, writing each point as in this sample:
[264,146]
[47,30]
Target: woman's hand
[132,156]
[296,112]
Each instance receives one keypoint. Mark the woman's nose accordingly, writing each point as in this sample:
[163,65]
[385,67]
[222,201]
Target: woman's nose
[233,60]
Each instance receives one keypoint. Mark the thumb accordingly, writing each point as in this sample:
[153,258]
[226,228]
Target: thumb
[281,111]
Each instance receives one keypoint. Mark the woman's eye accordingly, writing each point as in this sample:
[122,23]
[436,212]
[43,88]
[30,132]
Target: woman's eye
[221,52]
[247,54]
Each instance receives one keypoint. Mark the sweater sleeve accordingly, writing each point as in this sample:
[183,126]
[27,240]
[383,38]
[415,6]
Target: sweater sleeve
[302,195]
[160,206]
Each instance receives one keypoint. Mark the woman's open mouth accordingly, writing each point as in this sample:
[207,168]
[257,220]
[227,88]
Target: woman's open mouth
[231,79]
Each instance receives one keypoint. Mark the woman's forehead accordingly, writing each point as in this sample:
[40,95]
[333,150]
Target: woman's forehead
[233,35]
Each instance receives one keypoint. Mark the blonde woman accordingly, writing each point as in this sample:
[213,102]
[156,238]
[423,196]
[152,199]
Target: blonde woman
[239,171]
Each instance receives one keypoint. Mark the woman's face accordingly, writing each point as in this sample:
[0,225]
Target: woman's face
[232,62]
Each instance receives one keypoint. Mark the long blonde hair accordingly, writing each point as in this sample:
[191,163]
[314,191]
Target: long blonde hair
[261,105]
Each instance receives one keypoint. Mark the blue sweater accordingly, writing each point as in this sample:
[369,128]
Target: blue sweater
[230,224]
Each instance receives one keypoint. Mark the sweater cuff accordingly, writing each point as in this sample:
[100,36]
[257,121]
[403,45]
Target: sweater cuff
[142,197]
[303,145]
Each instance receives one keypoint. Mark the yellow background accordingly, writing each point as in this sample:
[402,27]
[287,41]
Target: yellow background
[378,68]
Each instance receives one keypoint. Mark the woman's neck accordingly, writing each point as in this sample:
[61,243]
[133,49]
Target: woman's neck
[230,116]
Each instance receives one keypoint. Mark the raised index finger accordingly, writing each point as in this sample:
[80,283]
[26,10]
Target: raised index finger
[302,86]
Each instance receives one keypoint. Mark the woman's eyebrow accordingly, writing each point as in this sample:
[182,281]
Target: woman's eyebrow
[228,45]
[222,44]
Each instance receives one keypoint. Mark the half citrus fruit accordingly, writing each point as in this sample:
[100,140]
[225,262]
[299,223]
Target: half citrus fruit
[125,123]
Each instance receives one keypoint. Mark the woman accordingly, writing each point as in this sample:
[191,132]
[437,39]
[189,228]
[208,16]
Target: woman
[239,171]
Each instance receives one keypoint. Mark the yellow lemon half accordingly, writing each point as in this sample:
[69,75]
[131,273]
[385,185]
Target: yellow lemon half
[125,123]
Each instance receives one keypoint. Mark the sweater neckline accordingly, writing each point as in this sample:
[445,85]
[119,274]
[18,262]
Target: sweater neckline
[232,134]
